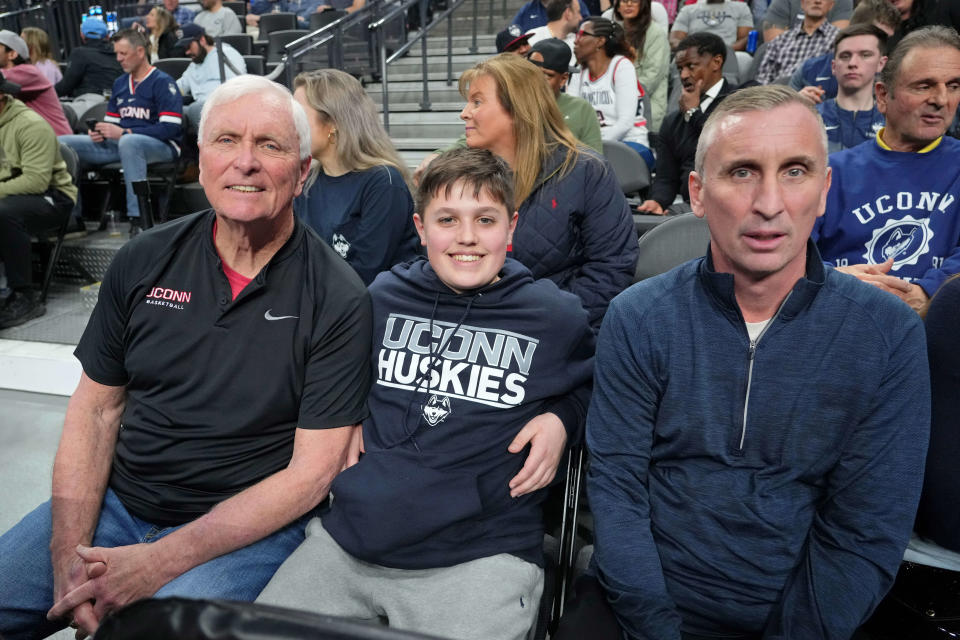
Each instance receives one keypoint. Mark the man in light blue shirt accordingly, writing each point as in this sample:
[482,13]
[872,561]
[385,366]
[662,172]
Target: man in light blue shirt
[203,74]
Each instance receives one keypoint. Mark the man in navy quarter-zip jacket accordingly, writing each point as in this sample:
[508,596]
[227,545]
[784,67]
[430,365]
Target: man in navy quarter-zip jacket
[759,421]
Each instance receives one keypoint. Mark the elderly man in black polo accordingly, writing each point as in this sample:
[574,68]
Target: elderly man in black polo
[224,369]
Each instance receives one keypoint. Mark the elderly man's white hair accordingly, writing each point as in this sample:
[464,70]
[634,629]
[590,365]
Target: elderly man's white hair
[241,86]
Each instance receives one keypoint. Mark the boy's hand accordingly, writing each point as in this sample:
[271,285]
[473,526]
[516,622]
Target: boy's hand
[548,440]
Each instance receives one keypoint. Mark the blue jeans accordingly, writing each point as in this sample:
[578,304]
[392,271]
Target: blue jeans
[26,571]
[134,151]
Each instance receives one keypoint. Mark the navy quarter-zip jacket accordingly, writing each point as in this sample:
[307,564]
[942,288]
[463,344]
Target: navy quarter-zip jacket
[754,489]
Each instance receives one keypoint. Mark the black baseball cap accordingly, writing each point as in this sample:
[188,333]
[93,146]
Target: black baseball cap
[511,38]
[556,55]
[188,33]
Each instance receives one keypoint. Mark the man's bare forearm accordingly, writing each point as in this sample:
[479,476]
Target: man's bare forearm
[82,465]
[261,509]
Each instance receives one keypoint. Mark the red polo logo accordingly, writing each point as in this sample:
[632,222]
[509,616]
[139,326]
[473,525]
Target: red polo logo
[173,295]
[171,298]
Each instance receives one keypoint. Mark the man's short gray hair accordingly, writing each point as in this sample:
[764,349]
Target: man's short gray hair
[764,98]
[241,86]
[934,37]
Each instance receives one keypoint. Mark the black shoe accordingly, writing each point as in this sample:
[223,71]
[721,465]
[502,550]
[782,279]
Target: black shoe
[21,306]
[135,228]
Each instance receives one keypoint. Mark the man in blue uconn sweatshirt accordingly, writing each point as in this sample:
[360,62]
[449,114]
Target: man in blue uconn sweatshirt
[759,421]
[438,527]
[143,120]
[893,212]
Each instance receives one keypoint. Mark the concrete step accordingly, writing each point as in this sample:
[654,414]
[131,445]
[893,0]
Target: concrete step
[411,93]
[454,107]
[425,124]
[437,63]
[401,93]
[422,146]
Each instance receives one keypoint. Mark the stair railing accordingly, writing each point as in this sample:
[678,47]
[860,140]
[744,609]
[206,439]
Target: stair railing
[377,29]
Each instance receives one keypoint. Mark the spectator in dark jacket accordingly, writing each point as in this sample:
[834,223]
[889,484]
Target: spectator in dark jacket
[575,226]
[700,59]
[91,68]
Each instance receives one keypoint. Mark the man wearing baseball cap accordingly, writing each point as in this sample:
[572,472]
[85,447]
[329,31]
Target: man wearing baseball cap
[202,76]
[513,40]
[36,90]
[36,194]
[91,68]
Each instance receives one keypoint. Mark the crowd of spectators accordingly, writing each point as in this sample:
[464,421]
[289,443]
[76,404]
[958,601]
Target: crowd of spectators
[831,161]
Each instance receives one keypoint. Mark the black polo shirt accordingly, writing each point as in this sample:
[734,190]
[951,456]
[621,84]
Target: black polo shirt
[216,387]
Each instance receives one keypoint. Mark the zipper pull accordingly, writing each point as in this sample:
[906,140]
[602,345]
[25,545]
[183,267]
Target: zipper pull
[753,349]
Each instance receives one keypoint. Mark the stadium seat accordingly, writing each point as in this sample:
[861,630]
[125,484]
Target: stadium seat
[52,245]
[323,18]
[278,40]
[631,171]
[242,42]
[671,243]
[255,64]
[270,22]
[173,67]
[165,172]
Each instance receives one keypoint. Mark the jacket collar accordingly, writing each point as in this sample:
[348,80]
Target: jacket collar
[719,285]
[289,247]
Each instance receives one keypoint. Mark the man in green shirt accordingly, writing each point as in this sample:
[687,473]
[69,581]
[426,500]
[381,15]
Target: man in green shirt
[36,195]
[553,57]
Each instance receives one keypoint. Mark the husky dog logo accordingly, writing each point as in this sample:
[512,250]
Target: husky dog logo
[436,410]
[897,243]
[903,240]
[340,245]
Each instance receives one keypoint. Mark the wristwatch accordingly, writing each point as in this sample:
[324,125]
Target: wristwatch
[689,113]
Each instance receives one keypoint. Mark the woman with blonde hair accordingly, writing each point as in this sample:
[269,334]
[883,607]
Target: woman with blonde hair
[162,30]
[358,201]
[41,54]
[574,226]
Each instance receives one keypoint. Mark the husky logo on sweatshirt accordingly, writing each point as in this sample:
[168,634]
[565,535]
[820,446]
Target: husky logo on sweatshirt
[436,410]
[903,240]
[340,245]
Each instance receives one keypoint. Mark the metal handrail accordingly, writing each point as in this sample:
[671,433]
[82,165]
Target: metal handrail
[425,29]
[331,32]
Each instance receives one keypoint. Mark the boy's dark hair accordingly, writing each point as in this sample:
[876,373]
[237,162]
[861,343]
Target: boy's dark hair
[477,168]
[133,36]
[862,30]
[704,42]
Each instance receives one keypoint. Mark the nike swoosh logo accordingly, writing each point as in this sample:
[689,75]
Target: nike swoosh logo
[836,126]
[823,77]
[270,316]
